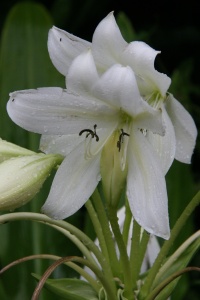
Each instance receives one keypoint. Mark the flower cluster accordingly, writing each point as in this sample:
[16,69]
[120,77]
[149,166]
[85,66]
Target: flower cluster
[115,103]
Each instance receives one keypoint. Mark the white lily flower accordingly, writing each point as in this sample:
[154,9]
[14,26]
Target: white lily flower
[78,122]
[108,48]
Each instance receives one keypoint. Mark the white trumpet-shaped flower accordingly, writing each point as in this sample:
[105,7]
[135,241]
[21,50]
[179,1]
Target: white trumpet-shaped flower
[108,48]
[78,122]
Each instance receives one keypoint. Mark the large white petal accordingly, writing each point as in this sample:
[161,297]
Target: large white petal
[74,183]
[165,146]
[146,188]
[150,119]
[64,144]
[140,57]
[82,74]
[118,87]
[64,47]
[60,144]
[55,111]
[107,43]
[185,129]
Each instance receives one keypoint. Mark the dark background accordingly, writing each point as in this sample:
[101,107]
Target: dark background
[170,26]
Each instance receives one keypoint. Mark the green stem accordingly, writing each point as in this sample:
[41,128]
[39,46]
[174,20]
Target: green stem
[167,245]
[168,280]
[72,265]
[100,209]
[81,260]
[73,230]
[174,257]
[127,224]
[143,248]
[62,224]
[128,292]
[76,242]
[135,252]
[98,229]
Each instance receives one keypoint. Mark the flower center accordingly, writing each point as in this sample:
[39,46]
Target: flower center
[155,100]
[91,148]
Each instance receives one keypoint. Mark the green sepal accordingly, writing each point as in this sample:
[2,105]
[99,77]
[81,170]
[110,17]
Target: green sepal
[70,288]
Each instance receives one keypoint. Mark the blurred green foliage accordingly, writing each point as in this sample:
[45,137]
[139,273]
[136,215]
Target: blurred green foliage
[24,63]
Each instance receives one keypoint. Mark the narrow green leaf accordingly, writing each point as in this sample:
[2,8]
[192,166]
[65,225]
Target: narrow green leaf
[70,288]
[180,263]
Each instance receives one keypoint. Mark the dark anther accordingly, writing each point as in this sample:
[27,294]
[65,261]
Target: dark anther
[90,132]
[121,139]
[60,39]
[13,100]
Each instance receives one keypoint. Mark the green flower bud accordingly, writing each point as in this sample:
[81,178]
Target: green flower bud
[22,177]
[112,173]
[8,150]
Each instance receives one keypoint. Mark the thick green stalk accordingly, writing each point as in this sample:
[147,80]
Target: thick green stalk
[100,210]
[143,248]
[127,223]
[128,292]
[167,245]
[135,252]
[98,229]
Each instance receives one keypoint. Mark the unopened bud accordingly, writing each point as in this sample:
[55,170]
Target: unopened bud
[8,150]
[22,177]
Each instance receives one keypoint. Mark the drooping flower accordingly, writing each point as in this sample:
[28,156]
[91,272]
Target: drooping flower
[79,121]
[108,48]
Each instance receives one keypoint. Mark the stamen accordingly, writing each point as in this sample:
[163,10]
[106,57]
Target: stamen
[121,139]
[90,132]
